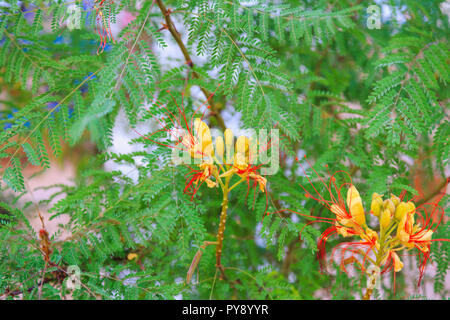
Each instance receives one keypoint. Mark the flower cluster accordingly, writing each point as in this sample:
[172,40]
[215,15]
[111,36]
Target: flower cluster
[400,226]
[213,162]
[220,162]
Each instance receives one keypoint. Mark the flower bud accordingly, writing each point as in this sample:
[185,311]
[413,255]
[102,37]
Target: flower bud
[242,144]
[388,204]
[219,148]
[401,210]
[228,137]
[395,199]
[242,148]
[385,219]
[371,235]
[376,204]
[229,146]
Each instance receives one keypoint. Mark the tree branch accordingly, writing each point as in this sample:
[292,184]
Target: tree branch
[171,27]
[434,193]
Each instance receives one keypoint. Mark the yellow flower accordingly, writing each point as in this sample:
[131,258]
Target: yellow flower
[405,229]
[354,203]
[423,239]
[343,230]
[377,202]
[260,179]
[208,170]
[403,209]
[241,165]
[345,226]
[370,235]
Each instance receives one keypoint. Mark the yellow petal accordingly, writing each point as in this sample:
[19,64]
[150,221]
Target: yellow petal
[228,173]
[240,161]
[354,203]
[260,179]
[425,235]
[262,183]
[398,264]
[402,235]
[343,231]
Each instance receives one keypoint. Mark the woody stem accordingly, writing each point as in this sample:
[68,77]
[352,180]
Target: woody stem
[220,232]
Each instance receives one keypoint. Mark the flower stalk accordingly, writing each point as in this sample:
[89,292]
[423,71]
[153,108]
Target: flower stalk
[211,170]
[222,223]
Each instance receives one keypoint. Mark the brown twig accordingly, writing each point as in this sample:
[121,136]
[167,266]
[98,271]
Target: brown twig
[433,193]
[215,111]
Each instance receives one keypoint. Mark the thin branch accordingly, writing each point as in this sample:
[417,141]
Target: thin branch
[171,27]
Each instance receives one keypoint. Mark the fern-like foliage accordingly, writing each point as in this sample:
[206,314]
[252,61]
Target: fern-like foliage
[370,102]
